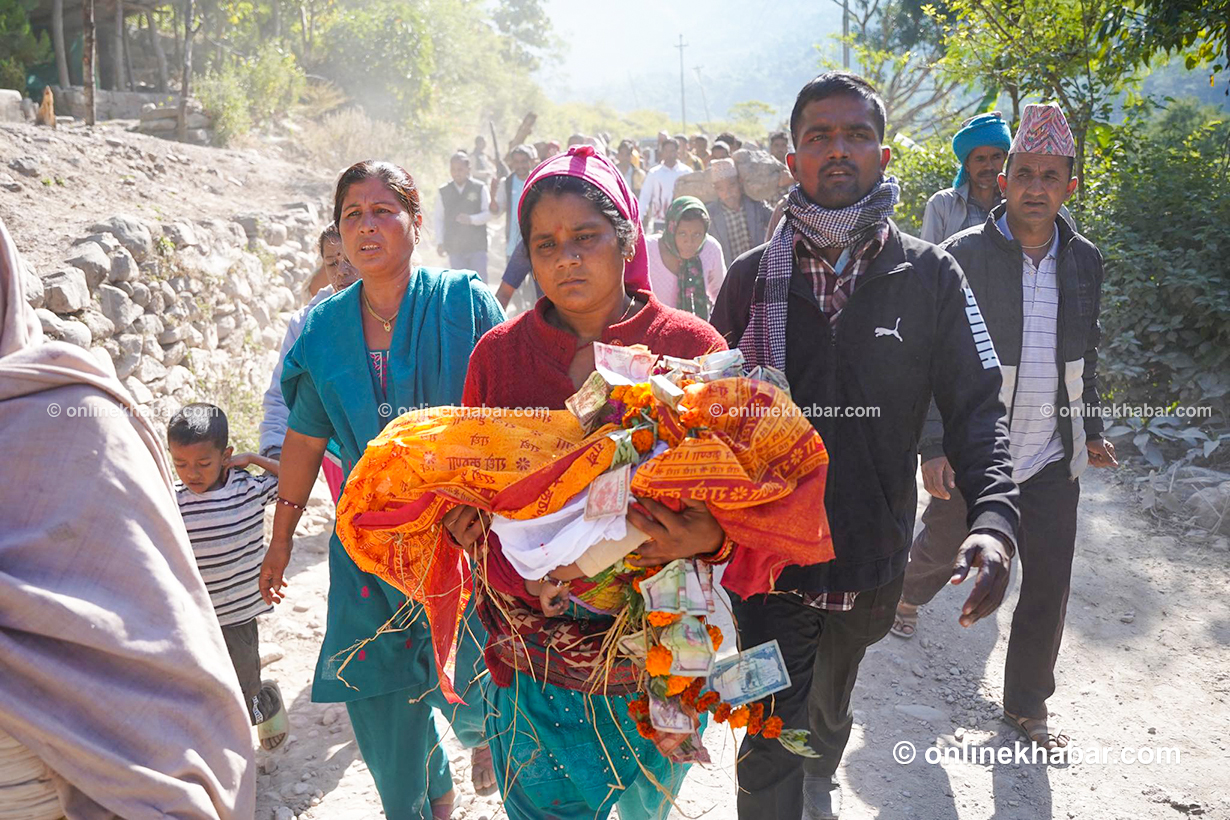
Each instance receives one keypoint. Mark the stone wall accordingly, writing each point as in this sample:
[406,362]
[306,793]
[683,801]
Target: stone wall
[109,105]
[184,311]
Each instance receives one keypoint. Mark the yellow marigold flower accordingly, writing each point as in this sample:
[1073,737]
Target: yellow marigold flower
[715,635]
[740,717]
[658,661]
[662,618]
[676,684]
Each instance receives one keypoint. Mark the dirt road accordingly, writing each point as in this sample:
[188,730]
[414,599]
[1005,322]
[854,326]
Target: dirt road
[1145,668]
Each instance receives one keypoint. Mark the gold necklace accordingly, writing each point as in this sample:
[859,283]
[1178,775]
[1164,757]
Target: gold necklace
[388,323]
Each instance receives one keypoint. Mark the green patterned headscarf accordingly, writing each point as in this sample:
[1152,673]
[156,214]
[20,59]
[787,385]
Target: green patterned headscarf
[692,296]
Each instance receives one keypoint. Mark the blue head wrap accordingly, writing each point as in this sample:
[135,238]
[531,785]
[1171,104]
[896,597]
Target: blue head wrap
[984,129]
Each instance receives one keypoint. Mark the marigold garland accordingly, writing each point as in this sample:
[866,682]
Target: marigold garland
[658,661]
[715,635]
[740,717]
[707,701]
[722,713]
[647,731]
[638,709]
[643,440]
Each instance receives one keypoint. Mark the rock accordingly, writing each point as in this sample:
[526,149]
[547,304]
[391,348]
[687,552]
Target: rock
[251,224]
[8,182]
[174,354]
[117,307]
[268,765]
[130,232]
[100,326]
[126,364]
[330,716]
[149,370]
[178,377]
[283,813]
[225,326]
[761,174]
[302,788]
[106,241]
[156,303]
[697,184]
[918,670]
[77,333]
[126,287]
[53,326]
[147,324]
[1127,617]
[123,267]
[26,166]
[66,291]
[275,233]
[140,393]
[151,348]
[301,607]
[130,343]
[180,234]
[32,285]
[271,653]
[93,262]
[140,293]
[921,712]
[174,334]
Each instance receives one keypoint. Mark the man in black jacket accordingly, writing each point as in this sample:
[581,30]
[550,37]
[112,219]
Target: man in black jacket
[1039,285]
[864,368]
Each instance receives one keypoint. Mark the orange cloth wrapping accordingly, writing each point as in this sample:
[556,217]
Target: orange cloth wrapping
[756,462]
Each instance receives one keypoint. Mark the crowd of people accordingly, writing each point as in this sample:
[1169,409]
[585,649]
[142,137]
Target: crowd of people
[959,338]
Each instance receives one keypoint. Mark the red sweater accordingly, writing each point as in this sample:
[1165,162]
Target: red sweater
[524,363]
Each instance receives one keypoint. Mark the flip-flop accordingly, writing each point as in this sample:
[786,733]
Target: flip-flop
[1035,729]
[904,626]
[273,731]
[482,756]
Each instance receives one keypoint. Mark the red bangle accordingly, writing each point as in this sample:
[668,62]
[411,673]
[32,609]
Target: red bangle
[291,504]
[723,553]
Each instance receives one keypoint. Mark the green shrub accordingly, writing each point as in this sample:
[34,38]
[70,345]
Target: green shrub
[225,99]
[922,168]
[19,48]
[1157,204]
[251,92]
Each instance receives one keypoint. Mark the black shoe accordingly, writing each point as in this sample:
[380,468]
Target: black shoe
[821,798]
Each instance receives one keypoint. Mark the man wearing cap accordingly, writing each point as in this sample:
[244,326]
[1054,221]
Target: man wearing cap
[738,221]
[981,147]
[1038,284]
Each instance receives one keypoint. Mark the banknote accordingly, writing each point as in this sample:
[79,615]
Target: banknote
[608,493]
[691,647]
[728,361]
[667,715]
[624,365]
[683,585]
[665,391]
[588,403]
[691,750]
[697,595]
[635,646]
[795,741]
[681,365]
[750,675]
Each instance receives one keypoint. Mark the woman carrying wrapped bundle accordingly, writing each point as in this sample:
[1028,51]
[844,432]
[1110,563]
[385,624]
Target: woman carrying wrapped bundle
[557,746]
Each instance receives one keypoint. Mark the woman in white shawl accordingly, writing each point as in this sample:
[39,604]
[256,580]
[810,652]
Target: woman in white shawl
[117,697]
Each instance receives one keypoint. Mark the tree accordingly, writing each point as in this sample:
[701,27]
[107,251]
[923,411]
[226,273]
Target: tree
[749,115]
[88,59]
[1046,48]
[19,48]
[897,46]
[382,56]
[1198,29]
[526,29]
[192,24]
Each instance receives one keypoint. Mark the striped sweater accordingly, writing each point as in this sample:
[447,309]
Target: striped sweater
[227,529]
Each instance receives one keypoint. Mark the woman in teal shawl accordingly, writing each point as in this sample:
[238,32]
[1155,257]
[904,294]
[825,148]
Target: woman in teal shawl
[398,339]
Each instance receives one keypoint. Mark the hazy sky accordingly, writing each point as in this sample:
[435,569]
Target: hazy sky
[746,49]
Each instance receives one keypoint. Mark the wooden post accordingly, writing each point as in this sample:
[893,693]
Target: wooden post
[57,38]
[155,43]
[87,58]
[117,59]
[185,86]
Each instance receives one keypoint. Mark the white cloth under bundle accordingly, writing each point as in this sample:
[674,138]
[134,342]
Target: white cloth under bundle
[536,546]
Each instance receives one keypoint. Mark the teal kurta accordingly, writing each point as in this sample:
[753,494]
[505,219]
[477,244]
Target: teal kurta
[329,387]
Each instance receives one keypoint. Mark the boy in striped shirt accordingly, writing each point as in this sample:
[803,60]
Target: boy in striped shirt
[223,506]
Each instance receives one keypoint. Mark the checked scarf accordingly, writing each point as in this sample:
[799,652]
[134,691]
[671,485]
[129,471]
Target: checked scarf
[764,340]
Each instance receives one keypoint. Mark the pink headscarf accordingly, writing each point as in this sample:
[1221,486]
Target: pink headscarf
[583,162]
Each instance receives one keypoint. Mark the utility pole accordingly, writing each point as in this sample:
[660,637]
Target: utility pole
[703,99]
[845,34]
[683,108]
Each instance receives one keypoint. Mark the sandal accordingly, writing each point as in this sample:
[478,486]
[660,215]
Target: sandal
[905,621]
[481,761]
[273,731]
[1036,731]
